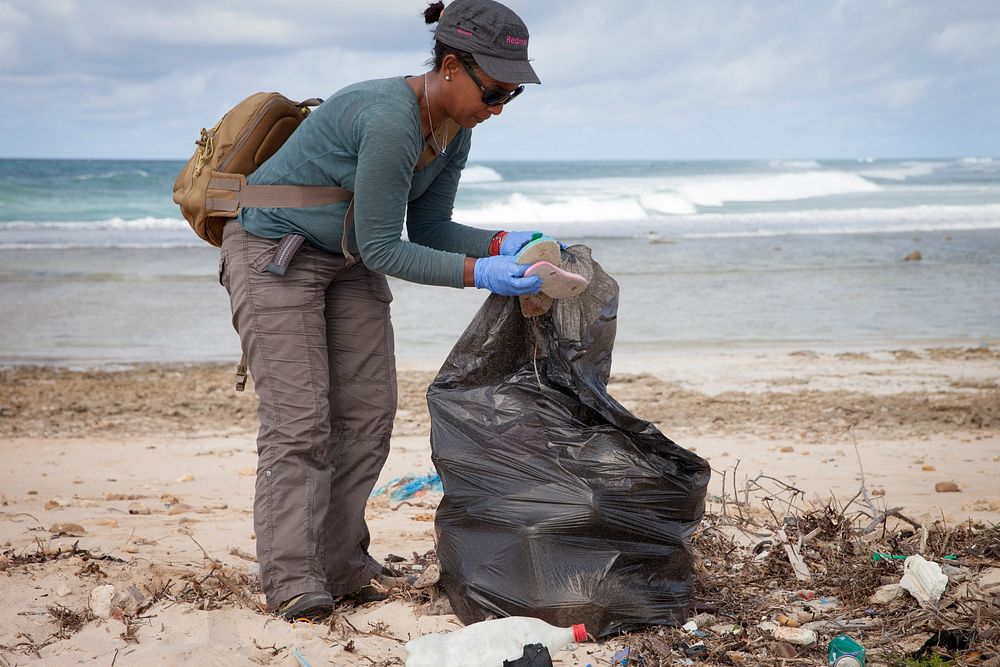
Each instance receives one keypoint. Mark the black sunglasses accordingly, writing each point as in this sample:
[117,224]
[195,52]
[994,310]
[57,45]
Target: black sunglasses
[493,96]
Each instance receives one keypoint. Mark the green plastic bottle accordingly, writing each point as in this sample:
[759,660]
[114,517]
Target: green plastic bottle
[845,652]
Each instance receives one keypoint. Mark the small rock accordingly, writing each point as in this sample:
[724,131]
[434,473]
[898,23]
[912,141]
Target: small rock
[69,529]
[169,499]
[186,478]
[886,594]
[704,620]
[63,591]
[428,577]
[125,601]
[4,563]
[914,256]
[180,508]
[107,523]
[946,487]
[138,508]
[53,505]
[130,549]
[797,636]
[102,601]
[786,450]
[928,468]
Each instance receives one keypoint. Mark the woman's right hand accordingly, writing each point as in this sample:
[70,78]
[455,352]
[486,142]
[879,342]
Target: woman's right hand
[504,276]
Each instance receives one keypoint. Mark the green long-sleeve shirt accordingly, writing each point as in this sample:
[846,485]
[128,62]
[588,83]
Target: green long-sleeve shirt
[367,138]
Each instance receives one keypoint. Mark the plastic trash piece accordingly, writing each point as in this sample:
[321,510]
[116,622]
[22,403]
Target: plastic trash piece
[844,651]
[797,636]
[490,643]
[923,579]
[558,502]
[541,248]
[877,556]
[408,486]
[557,283]
[535,655]
[301,659]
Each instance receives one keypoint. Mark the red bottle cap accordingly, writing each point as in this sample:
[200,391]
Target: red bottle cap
[579,633]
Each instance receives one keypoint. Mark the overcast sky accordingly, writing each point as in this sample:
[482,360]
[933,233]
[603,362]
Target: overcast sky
[639,79]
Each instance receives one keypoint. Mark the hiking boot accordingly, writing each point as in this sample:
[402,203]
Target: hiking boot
[315,604]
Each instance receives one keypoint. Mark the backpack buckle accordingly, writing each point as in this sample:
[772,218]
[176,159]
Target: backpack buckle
[241,377]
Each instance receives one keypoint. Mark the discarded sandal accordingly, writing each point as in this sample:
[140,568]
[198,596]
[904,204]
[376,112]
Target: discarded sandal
[557,283]
[542,249]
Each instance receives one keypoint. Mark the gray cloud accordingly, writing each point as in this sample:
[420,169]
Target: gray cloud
[642,79]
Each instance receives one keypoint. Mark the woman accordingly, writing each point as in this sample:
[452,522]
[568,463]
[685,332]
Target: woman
[318,338]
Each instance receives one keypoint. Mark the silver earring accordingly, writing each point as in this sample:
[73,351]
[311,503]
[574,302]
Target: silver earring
[447,78]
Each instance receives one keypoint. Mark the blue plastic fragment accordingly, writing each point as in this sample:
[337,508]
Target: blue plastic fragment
[407,486]
[301,658]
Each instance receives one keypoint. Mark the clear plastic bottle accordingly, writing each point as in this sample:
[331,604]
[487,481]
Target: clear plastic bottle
[489,643]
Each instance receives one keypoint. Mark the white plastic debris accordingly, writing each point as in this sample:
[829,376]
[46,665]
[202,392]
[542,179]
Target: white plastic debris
[923,579]
[797,636]
[102,600]
[689,627]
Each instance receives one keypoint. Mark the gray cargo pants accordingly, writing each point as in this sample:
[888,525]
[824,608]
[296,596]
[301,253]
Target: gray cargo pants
[320,349]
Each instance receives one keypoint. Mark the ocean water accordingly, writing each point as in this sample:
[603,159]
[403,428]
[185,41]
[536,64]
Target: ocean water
[97,267]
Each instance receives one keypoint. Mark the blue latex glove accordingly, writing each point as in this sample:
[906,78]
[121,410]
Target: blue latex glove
[504,276]
[514,241]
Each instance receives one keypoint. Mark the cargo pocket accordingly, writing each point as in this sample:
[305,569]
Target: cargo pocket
[222,269]
[296,289]
[379,287]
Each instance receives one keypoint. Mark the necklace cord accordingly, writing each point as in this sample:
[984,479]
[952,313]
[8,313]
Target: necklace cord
[430,121]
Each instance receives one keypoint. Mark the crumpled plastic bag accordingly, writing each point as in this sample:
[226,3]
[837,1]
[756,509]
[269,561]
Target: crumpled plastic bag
[558,502]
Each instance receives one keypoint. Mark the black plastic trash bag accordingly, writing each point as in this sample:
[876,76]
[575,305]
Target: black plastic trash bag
[558,502]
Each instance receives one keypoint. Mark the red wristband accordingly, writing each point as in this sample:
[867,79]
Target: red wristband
[496,242]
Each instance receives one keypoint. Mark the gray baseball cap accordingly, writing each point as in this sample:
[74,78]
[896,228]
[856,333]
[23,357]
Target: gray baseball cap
[495,36]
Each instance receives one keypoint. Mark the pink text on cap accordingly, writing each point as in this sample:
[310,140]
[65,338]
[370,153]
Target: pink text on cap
[517,41]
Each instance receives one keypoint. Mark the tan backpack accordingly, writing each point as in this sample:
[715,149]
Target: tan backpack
[212,187]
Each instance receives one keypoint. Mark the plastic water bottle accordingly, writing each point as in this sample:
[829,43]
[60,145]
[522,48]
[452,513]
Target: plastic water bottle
[845,652]
[489,643]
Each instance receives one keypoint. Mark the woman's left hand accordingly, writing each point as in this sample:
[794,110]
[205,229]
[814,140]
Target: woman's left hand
[514,241]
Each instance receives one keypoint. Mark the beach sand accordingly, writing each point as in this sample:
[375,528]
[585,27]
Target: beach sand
[154,465]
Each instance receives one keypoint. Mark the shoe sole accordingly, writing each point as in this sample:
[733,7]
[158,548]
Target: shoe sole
[308,613]
[543,249]
[317,607]
[557,283]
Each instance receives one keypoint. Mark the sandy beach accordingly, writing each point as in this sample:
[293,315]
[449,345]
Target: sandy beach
[143,479]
